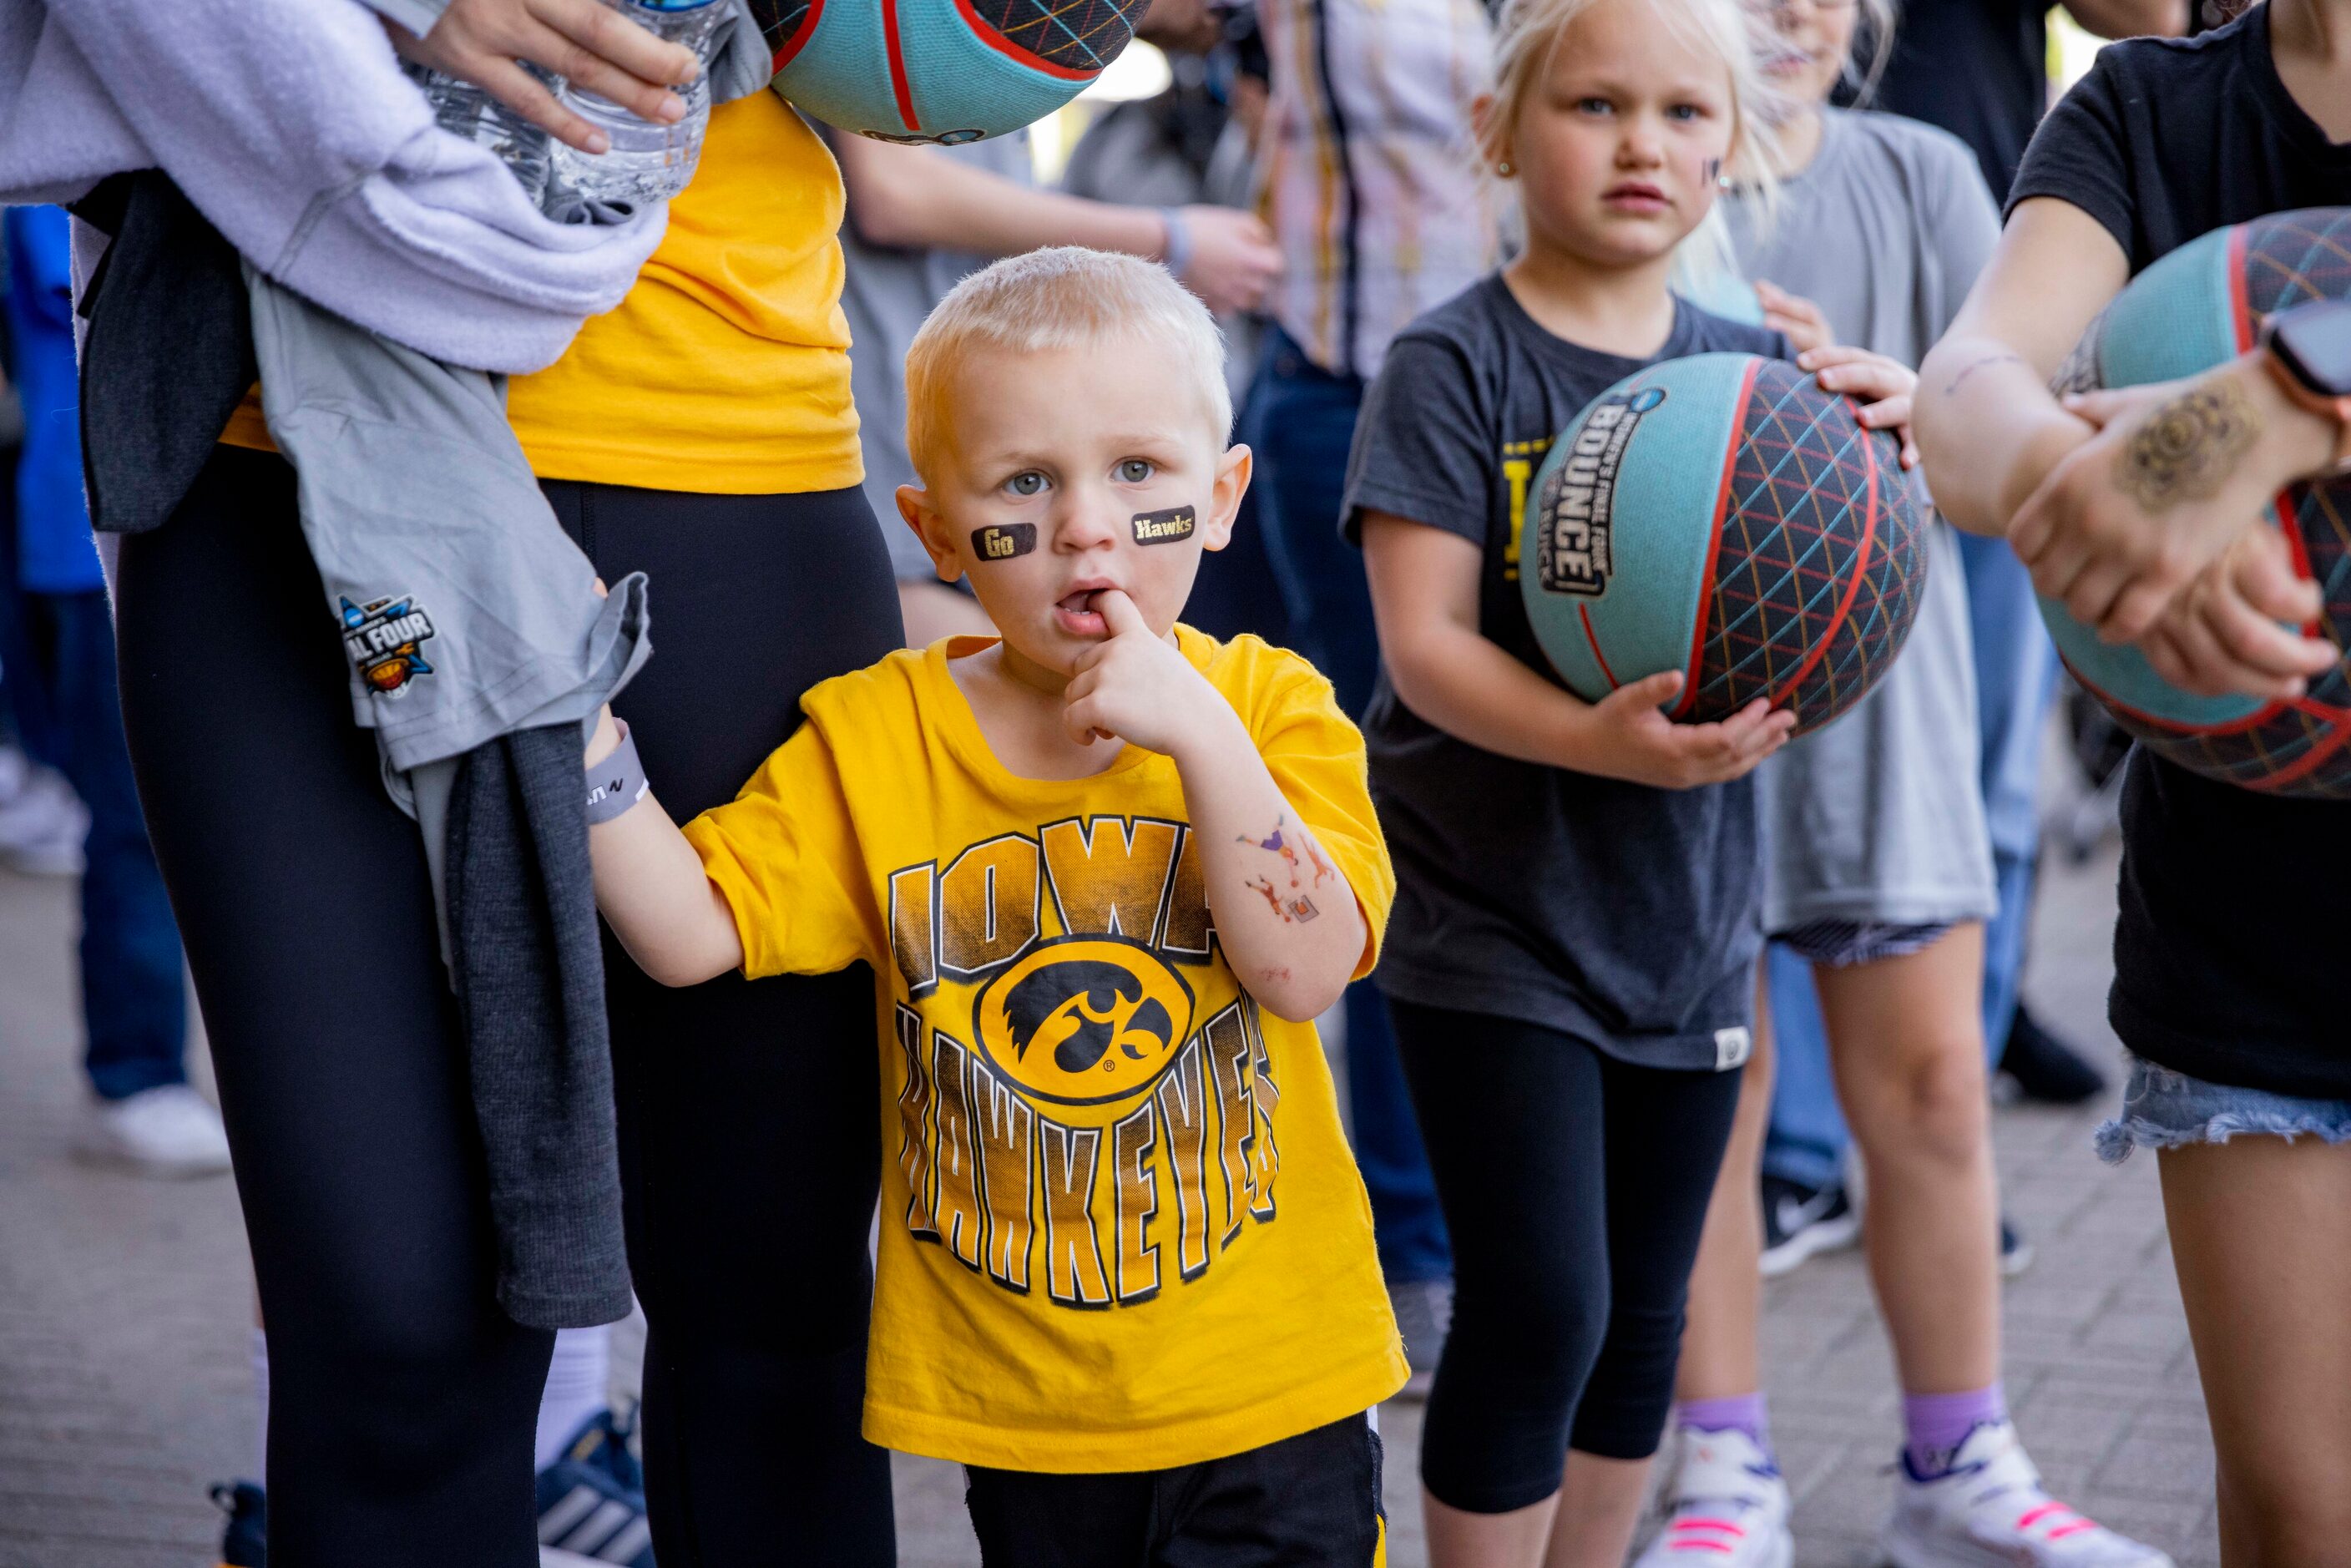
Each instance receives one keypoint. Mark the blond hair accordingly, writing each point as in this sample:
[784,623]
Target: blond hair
[1064,296]
[1528,33]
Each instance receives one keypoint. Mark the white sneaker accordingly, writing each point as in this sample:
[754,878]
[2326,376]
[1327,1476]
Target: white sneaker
[42,823]
[1989,1509]
[1724,1506]
[168,1131]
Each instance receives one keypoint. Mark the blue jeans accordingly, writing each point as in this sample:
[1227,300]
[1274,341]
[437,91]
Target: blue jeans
[58,653]
[2016,675]
[1301,420]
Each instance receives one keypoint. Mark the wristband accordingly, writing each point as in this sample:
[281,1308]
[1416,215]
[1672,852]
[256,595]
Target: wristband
[1175,250]
[618,781]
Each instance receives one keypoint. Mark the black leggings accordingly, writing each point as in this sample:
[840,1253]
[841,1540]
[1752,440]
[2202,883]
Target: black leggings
[403,1401]
[1575,1187]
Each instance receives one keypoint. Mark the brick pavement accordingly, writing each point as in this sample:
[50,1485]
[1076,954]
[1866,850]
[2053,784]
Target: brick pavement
[124,1307]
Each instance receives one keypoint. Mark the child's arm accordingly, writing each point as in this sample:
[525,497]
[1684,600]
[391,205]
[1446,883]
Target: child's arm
[1425,597]
[651,887]
[1288,919]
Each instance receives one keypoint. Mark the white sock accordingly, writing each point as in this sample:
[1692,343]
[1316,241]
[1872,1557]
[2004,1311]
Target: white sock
[579,1384]
[261,1394]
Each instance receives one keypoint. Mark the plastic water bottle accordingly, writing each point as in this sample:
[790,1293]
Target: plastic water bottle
[466,111]
[649,162]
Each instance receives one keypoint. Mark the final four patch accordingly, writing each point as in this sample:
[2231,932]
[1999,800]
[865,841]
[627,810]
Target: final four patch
[1163,528]
[1004,542]
[382,637]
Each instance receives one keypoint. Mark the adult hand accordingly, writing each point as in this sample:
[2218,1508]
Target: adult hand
[2172,476]
[1633,740]
[583,41]
[1882,386]
[2222,632]
[1234,259]
[1794,317]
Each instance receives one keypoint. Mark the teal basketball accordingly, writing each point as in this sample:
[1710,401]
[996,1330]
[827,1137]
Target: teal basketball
[940,70]
[1724,517]
[2197,306]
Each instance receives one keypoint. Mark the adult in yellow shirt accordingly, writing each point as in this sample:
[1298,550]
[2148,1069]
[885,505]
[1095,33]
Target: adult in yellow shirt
[702,432]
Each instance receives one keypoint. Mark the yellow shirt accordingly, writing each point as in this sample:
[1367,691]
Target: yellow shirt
[1121,1228]
[725,369]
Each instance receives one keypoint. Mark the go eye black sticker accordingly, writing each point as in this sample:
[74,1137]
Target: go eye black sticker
[1004,541]
[1163,528]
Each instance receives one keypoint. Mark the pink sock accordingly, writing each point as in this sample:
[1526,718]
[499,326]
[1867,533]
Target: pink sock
[1935,1425]
[1741,1413]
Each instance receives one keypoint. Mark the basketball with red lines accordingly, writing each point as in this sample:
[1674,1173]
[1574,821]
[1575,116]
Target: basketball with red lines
[1724,517]
[945,71]
[2203,304]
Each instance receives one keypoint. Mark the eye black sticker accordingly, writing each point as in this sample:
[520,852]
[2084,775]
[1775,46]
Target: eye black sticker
[1163,528]
[1004,542]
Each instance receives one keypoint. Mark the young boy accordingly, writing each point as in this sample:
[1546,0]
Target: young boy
[1106,871]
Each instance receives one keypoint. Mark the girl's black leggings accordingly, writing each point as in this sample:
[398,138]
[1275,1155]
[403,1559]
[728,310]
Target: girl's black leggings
[403,1401]
[1575,1186]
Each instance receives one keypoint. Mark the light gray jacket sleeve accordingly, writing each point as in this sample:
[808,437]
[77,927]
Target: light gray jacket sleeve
[417,15]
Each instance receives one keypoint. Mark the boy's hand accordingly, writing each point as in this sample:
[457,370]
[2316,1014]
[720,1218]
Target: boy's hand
[1632,738]
[1882,386]
[592,45]
[1135,687]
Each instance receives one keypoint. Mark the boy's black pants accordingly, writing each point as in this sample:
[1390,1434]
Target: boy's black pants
[1311,1500]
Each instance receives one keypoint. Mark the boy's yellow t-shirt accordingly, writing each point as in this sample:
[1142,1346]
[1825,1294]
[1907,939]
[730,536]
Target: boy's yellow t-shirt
[726,369]
[1121,1228]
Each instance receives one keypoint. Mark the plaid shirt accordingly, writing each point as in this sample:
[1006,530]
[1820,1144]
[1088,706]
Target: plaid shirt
[1369,173]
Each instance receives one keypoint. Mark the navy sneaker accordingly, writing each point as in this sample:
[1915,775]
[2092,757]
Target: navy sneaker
[591,1502]
[244,1541]
[1800,1221]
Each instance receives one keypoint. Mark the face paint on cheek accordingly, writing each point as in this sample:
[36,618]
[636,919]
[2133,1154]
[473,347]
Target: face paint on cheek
[1165,528]
[1003,542]
[1713,169]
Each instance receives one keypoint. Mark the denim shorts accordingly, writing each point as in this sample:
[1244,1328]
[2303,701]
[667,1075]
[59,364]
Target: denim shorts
[2167,1110]
[1843,944]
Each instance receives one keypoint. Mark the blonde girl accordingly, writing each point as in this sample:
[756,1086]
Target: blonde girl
[1571,963]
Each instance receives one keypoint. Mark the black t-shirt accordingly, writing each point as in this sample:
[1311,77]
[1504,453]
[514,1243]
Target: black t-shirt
[1625,915]
[1979,69]
[2233,902]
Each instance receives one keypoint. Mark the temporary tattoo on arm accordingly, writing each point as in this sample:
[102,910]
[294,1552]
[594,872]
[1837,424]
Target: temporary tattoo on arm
[2188,448]
[1004,541]
[1297,911]
[1276,843]
[1972,367]
[1165,528]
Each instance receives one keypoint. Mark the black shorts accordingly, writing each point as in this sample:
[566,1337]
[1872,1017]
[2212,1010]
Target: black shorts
[1308,1501]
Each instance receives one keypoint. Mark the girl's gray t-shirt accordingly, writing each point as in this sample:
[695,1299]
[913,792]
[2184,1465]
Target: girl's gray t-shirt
[1622,914]
[1879,818]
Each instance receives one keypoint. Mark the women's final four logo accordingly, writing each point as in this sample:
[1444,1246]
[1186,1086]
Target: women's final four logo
[382,637]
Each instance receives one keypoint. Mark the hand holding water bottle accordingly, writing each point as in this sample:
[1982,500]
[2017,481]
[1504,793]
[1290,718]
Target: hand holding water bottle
[592,46]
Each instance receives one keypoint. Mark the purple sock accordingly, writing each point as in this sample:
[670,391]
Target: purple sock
[1741,1413]
[1935,1425]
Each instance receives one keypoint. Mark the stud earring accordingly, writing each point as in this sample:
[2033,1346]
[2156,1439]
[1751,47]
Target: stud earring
[1504,169]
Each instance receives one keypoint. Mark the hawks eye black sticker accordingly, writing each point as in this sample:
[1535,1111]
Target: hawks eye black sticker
[1165,528]
[1004,542]
[381,638]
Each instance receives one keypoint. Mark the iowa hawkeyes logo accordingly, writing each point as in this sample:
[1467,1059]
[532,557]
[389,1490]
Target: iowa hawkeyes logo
[1084,1021]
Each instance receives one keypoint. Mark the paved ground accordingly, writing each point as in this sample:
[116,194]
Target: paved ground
[124,1308]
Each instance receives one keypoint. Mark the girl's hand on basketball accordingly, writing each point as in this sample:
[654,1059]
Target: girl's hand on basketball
[583,41]
[1234,259]
[1882,386]
[1794,317]
[1136,686]
[2173,475]
[1633,740]
[2221,634]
